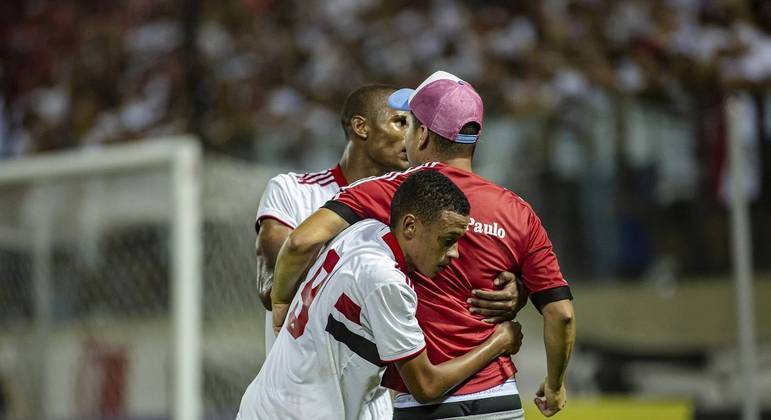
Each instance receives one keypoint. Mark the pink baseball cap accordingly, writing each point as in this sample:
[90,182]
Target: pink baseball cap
[444,103]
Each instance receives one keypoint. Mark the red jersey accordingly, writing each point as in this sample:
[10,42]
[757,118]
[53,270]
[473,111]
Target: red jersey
[504,234]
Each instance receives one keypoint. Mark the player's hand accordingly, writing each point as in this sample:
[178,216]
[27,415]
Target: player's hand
[511,334]
[499,305]
[279,315]
[550,401]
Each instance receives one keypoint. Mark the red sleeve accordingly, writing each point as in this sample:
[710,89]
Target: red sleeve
[370,199]
[540,269]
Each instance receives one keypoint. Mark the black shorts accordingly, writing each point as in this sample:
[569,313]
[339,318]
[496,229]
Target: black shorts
[490,405]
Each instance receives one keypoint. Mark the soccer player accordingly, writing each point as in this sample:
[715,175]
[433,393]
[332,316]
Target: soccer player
[355,314]
[504,233]
[374,145]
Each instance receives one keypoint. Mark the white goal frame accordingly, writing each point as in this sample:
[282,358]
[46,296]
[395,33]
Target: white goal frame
[182,156]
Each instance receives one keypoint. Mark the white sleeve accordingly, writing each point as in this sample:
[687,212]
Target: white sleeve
[277,201]
[390,310]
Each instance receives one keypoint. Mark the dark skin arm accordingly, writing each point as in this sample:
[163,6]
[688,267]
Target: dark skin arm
[559,334]
[269,240]
[427,382]
[499,305]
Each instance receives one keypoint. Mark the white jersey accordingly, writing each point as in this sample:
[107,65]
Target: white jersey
[354,314]
[290,198]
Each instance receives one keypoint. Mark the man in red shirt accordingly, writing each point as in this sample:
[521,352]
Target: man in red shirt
[504,234]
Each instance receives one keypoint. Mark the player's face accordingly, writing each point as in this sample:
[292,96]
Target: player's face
[412,139]
[436,244]
[385,144]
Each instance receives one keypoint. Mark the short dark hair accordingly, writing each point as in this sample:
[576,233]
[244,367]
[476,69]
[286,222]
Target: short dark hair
[447,148]
[426,194]
[365,101]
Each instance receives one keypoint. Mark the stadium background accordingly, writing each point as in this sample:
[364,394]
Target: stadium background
[610,117]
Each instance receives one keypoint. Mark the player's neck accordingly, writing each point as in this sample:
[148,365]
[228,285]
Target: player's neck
[357,167]
[462,163]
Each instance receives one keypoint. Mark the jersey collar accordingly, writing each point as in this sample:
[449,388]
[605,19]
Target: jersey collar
[337,172]
[392,243]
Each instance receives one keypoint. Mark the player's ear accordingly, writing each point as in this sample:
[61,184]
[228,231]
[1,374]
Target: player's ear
[408,226]
[423,137]
[359,126]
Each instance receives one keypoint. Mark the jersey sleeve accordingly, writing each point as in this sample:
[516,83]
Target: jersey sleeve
[540,269]
[277,202]
[367,199]
[390,310]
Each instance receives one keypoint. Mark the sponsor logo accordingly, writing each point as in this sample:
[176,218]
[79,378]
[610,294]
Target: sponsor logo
[486,228]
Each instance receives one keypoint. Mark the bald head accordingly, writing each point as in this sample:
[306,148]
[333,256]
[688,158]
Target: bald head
[366,101]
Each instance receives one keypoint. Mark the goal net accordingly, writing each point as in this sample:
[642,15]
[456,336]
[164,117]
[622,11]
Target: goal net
[127,283]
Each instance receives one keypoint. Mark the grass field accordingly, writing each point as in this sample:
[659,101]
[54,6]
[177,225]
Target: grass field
[618,409]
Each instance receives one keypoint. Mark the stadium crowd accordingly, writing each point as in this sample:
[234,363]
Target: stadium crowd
[90,72]
[629,95]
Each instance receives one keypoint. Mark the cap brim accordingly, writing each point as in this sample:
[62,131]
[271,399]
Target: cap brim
[400,100]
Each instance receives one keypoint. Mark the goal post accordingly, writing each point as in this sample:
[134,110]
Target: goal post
[35,197]
[187,236]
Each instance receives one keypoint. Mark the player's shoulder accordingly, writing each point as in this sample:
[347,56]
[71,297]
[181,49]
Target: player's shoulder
[393,176]
[282,180]
[511,209]
[309,179]
[503,196]
[382,273]
[515,199]
[385,270]
[320,178]
[376,259]
[293,181]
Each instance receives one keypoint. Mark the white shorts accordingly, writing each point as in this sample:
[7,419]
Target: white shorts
[500,402]
[507,388]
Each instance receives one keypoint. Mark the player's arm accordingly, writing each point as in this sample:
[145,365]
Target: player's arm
[551,295]
[428,382]
[296,255]
[271,236]
[391,313]
[559,334]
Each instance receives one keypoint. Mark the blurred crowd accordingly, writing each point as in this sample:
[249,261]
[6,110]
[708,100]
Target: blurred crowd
[630,94]
[88,71]
[79,73]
